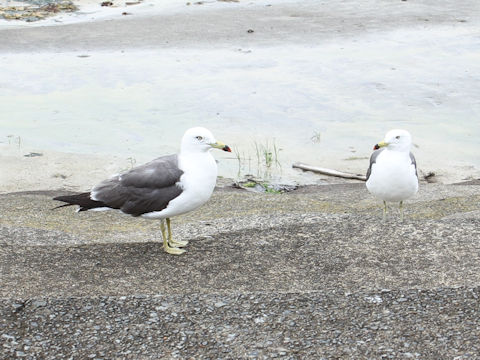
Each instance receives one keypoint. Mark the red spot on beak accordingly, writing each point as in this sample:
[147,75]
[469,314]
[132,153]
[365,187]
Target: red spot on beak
[227,148]
[376,147]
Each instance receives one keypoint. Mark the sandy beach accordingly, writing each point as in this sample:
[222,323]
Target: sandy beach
[323,81]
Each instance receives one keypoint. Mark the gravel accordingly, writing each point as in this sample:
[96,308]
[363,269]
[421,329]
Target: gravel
[418,324]
[312,273]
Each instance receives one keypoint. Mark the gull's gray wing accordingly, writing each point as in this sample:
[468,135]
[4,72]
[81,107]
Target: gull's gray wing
[146,188]
[414,162]
[373,159]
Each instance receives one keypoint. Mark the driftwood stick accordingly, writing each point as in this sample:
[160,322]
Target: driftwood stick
[328,171]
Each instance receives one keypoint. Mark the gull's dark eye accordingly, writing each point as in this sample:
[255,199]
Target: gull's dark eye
[397,137]
[199,138]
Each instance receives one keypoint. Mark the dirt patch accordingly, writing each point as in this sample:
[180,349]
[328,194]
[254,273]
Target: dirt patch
[35,11]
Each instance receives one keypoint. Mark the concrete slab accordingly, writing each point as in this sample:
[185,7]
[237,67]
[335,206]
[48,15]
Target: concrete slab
[309,273]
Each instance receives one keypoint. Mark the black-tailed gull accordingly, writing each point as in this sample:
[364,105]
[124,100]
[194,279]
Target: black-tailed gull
[392,174]
[165,187]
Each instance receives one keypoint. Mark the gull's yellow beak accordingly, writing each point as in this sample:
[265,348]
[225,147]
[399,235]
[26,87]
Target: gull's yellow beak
[221,146]
[380,145]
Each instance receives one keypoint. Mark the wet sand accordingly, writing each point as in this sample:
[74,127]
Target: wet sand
[108,90]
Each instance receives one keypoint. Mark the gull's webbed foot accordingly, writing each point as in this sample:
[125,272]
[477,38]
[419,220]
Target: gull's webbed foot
[177,243]
[174,243]
[172,250]
[167,241]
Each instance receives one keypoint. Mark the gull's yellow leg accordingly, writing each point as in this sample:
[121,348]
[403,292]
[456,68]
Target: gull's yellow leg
[401,211]
[174,243]
[166,246]
[384,210]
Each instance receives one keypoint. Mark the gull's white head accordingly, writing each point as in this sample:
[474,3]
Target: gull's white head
[397,139]
[199,139]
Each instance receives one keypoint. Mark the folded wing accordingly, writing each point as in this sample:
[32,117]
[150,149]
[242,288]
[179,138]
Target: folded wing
[146,188]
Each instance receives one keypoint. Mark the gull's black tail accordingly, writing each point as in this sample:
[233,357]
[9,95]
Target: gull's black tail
[83,200]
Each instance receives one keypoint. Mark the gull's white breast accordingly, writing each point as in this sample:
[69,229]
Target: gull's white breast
[197,182]
[393,176]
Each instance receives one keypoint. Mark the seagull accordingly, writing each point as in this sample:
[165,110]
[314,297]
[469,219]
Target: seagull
[168,186]
[392,174]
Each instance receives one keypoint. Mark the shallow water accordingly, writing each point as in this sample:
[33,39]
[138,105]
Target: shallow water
[325,105]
